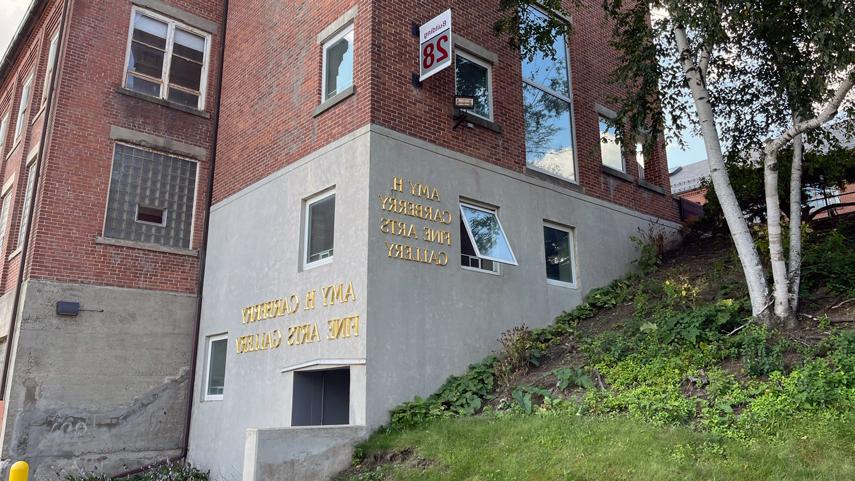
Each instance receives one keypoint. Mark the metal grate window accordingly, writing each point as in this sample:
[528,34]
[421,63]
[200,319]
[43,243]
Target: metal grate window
[144,178]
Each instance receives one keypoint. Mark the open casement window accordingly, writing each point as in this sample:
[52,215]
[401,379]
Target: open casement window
[486,234]
[167,60]
[338,63]
[51,65]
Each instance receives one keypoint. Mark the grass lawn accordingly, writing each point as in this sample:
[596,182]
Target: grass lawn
[570,447]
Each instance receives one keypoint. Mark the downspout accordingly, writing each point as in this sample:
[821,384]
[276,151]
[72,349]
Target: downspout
[204,247]
[46,130]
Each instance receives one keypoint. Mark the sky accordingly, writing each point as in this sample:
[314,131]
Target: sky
[12,11]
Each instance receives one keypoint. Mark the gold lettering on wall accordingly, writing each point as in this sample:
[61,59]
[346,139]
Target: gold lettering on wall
[436,233]
[302,333]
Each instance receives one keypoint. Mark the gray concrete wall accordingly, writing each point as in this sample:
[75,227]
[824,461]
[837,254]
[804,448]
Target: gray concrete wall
[254,255]
[306,454]
[105,390]
[428,321]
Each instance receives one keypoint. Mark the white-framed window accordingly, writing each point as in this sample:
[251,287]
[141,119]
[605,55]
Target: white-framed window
[319,232]
[23,107]
[485,233]
[4,218]
[167,59]
[28,196]
[337,72]
[469,258]
[611,150]
[560,254]
[474,78]
[215,367]
[51,65]
[548,110]
[4,131]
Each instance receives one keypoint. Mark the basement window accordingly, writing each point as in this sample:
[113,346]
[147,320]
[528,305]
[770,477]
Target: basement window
[486,235]
[167,60]
[321,398]
[558,247]
[215,374]
[320,229]
[151,215]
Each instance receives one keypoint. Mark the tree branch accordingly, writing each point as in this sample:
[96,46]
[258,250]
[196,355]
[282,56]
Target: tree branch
[829,111]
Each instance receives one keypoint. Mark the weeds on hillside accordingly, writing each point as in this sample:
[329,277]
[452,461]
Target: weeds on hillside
[681,358]
[166,472]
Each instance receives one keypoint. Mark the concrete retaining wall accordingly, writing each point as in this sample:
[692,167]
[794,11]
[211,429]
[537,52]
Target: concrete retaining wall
[104,390]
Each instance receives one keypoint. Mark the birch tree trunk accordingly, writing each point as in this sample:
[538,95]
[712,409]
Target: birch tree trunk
[776,245]
[796,223]
[744,243]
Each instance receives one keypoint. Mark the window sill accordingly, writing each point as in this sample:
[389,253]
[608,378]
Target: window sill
[38,114]
[651,187]
[316,264]
[481,271]
[14,148]
[14,254]
[464,116]
[565,285]
[334,100]
[550,177]
[145,246]
[163,102]
[617,173]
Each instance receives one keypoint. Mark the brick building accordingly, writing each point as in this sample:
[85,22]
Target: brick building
[361,239]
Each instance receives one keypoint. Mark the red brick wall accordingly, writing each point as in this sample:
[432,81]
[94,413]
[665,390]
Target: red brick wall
[271,85]
[427,111]
[32,57]
[75,173]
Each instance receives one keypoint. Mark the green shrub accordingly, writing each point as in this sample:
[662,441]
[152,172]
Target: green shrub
[519,351]
[760,355]
[166,472]
[828,261]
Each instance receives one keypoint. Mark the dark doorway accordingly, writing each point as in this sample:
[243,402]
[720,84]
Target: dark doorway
[321,397]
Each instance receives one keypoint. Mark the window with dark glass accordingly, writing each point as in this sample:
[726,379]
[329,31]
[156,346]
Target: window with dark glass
[320,229]
[216,372]
[167,60]
[547,102]
[558,247]
[473,78]
[145,186]
[321,398]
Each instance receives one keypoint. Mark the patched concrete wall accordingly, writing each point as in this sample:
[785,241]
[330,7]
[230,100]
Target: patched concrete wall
[428,321]
[308,454]
[255,255]
[105,390]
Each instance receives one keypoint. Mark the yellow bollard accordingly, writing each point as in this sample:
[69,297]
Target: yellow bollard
[19,471]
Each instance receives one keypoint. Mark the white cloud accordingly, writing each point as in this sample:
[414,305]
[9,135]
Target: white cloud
[11,14]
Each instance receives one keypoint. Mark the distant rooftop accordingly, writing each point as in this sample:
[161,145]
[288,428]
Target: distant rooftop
[688,177]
